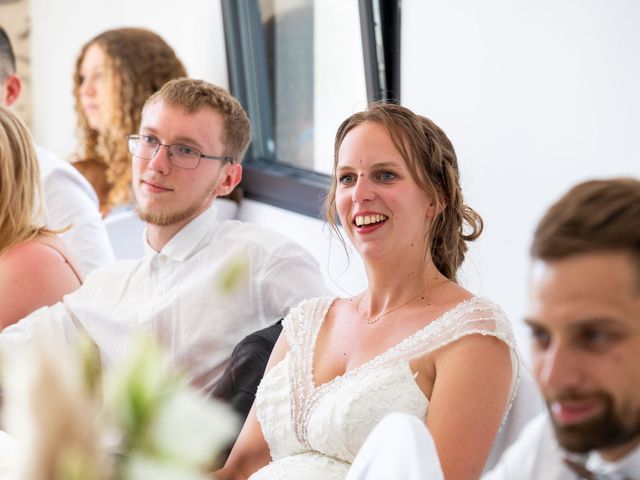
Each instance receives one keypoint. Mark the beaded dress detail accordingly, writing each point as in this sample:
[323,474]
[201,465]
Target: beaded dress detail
[314,432]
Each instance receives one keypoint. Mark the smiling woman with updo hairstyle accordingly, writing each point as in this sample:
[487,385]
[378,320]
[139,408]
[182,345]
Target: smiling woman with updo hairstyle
[115,73]
[415,341]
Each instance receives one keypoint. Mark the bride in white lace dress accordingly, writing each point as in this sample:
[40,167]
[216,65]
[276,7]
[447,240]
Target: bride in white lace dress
[415,341]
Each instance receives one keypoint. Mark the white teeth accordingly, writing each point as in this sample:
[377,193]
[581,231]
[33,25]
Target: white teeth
[369,219]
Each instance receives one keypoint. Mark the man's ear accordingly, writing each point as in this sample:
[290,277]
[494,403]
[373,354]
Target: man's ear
[231,177]
[11,91]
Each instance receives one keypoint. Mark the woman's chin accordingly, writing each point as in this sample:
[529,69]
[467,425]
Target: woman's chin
[94,123]
[370,252]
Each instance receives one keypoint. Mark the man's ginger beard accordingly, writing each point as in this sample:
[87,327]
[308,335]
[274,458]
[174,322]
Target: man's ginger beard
[167,218]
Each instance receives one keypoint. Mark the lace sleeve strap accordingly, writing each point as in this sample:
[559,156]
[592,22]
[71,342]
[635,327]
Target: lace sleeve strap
[475,316]
[302,323]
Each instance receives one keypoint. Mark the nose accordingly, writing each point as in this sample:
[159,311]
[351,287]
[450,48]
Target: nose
[363,189]
[87,87]
[160,161]
[557,368]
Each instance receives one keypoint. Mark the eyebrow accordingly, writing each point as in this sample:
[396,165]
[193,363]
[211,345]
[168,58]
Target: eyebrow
[377,165]
[532,323]
[90,71]
[180,139]
[535,324]
[585,322]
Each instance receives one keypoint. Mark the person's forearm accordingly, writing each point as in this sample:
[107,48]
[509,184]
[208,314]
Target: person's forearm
[228,473]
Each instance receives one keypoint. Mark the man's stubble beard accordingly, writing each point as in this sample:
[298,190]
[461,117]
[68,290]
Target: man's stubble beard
[165,219]
[168,218]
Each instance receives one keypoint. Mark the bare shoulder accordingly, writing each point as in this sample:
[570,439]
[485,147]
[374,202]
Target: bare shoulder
[452,294]
[473,347]
[341,306]
[476,357]
[33,256]
[32,275]
[448,298]
[478,333]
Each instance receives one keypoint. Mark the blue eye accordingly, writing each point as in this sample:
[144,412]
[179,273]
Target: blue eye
[345,179]
[187,151]
[387,176]
[148,139]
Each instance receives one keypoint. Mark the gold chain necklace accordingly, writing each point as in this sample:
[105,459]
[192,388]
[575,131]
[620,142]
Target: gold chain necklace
[383,313]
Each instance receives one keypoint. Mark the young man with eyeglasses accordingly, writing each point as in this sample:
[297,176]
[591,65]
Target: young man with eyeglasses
[192,138]
[69,200]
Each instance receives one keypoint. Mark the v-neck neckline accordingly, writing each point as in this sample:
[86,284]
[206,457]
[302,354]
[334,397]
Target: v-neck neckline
[314,388]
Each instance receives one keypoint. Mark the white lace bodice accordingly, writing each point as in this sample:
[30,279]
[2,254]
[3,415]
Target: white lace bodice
[316,432]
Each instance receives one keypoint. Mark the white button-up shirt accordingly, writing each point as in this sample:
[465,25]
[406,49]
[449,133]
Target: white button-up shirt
[401,447]
[177,295]
[536,455]
[69,200]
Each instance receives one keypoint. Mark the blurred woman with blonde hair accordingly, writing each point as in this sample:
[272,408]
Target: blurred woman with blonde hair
[115,73]
[35,268]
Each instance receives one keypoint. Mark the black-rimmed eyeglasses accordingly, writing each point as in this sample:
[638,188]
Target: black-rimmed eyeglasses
[182,156]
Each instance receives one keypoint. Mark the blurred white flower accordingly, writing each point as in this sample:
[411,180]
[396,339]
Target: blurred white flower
[162,422]
[145,422]
[50,413]
[142,467]
[189,429]
[7,454]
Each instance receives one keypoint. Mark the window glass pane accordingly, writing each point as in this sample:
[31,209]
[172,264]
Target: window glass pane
[316,75]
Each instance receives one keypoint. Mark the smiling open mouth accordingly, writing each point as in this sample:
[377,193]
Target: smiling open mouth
[362,220]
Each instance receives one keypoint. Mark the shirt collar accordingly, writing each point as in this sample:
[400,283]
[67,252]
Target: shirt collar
[184,243]
[628,466]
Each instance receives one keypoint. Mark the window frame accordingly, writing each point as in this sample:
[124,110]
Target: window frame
[266,180]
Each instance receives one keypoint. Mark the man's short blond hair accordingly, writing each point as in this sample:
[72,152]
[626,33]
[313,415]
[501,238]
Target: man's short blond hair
[193,95]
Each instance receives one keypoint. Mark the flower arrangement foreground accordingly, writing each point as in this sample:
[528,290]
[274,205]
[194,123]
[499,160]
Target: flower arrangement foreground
[140,421]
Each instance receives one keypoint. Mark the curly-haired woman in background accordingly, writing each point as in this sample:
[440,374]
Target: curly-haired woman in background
[35,268]
[115,73]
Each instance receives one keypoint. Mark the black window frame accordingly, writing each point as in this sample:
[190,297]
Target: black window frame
[265,179]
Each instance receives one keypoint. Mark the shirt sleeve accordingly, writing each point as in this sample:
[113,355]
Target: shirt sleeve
[70,201]
[57,319]
[535,455]
[290,276]
[76,316]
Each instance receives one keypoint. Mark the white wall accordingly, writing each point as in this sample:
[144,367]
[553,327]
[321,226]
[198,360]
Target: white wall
[536,96]
[339,83]
[192,27]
